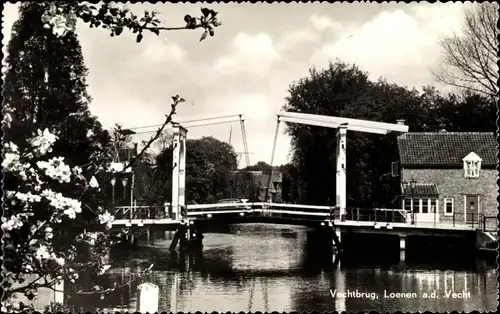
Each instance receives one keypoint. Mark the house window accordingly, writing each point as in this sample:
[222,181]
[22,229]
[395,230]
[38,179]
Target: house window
[425,206]
[472,165]
[416,206]
[407,204]
[433,205]
[421,205]
[448,206]
[472,169]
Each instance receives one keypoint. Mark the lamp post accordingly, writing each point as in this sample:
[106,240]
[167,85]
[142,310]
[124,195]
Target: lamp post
[412,193]
[113,182]
[124,183]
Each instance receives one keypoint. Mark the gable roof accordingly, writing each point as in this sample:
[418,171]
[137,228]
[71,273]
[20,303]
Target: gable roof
[446,148]
[420,189]
[472,157]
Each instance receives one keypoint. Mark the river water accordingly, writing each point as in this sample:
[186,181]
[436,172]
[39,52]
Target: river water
[259,267]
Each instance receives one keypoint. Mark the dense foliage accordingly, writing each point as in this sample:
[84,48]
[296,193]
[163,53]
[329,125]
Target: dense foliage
[344,90]
[209,163]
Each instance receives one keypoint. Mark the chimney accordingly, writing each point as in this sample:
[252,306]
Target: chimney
[400,121]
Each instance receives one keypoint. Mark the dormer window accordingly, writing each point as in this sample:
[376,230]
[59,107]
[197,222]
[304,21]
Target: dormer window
[472,165]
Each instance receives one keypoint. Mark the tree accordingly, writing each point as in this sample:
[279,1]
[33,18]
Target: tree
[209,163]
[470,59]
[344,90]
[259,166]
[290,192]
[55,149]
[45,89]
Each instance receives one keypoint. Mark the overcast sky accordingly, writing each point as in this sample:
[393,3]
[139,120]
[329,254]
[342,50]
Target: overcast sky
[249,64]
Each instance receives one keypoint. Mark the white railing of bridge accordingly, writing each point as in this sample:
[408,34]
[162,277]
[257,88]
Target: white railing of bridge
[160,213]
[279,208]
[223,205]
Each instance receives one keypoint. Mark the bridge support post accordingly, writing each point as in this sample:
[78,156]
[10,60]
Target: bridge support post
[402,248]
[179,171]
[336,241]
[341,179]
[179,237]
[131,238]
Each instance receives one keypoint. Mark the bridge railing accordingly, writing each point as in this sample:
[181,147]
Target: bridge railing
[489,223]
[222,207]
[299,208]
[141,212]
[373,214]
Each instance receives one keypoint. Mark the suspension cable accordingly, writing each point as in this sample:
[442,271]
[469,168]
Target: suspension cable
[185,121]
[245,144]
[272,158]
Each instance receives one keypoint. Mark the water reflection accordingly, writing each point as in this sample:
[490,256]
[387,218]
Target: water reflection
[267,268]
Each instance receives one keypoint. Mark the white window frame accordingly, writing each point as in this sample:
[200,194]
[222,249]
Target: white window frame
[420,202]
[472,165]
[445,202]
[436,208]
[411,203]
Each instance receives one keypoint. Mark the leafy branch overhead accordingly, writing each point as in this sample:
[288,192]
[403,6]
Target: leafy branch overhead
[115,17]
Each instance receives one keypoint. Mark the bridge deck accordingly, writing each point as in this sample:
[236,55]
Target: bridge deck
[320,216]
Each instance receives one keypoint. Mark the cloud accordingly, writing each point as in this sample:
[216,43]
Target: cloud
[323,23]
[160,52]
[247,66]
[249,53]
[297,38]
[394,44]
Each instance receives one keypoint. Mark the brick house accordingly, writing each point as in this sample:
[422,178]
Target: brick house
[449,176]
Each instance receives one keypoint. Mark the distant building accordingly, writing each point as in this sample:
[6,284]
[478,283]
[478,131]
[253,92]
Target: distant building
[449,176]
[260,180]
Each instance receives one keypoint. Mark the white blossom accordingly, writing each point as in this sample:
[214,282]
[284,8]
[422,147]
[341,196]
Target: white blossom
[103,269]
[106,218]
[7,119]
[60,261]
[92,238]
[28,268]
[56,169]
[42,143]
[12,163]
[90,133]
[11,147]
[42,253]
[93,183]
[59,25]
[14,222]
[28,197]
[77,171]
[58,201]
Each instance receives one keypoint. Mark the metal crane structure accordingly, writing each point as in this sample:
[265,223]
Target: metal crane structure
[180,129]
[342,125]
[179,155]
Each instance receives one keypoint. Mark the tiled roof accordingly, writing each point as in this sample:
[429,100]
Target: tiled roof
[420,189]
[446,148]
